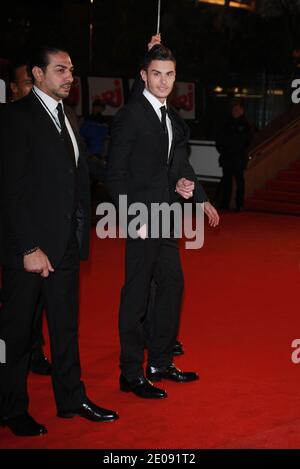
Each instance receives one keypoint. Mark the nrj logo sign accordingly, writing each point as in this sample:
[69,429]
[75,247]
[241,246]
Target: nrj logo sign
[295,356]
[2,351]
[158,220]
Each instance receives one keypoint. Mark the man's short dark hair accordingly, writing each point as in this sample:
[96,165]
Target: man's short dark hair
[157,52]
[40,57]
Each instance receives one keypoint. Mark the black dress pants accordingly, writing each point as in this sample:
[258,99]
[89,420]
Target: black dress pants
[148,319]
[21,291]
[149,259]
[37,333]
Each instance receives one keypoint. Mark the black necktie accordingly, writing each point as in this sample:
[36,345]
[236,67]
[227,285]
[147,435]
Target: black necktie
[65,133]
[163,111]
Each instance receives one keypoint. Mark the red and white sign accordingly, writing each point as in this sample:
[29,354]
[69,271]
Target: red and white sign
[183,99]
[109,91]
[75,96]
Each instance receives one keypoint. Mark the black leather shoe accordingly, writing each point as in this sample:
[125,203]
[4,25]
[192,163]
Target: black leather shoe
[24,425]
[178,348]
[90,411]
[172,373]
[40,364]
[141,387]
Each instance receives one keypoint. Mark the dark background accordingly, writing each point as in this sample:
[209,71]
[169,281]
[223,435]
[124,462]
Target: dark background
[232,48]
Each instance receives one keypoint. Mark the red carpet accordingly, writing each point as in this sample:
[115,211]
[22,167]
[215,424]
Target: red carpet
[240,315]
[281,195]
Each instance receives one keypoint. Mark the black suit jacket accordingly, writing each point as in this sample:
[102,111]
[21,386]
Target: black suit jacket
[137,164]
[38,184]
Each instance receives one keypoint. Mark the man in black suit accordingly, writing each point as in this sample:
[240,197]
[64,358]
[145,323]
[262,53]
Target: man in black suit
[148,162]
[20,84]
[44,231]
[136,90]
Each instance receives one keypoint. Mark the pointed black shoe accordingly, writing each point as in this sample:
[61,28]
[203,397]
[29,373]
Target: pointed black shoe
[141,387]
[24,425]
[178,348]
[172,373]
[39,363]
[90,411]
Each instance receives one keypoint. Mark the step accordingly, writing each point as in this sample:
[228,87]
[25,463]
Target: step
[289,175]
[295,165]
[272,207]
[264,194]
[283,186]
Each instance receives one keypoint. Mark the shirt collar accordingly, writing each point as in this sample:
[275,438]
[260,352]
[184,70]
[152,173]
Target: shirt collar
[51,103]
[156,104]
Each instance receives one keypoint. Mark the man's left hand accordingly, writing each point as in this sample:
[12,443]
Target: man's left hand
[211,212]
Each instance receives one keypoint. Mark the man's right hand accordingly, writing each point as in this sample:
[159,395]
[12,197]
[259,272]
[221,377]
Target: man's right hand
[185,188]
[154,40]
[37,262]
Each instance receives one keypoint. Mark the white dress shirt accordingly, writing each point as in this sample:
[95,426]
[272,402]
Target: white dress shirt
[156,104]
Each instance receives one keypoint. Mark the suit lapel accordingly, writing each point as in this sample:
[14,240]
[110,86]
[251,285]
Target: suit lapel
[43,117]
[152,116]
[155,123]
[45,126]
[45,120]
[176,127]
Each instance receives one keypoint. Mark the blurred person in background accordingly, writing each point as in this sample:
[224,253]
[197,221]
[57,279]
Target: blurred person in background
[233,142]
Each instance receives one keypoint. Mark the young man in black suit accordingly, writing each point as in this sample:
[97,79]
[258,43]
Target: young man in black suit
[136,90]
[148,163]
[44,231]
